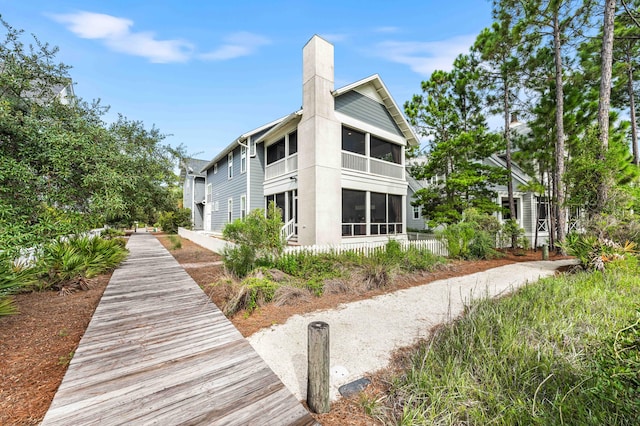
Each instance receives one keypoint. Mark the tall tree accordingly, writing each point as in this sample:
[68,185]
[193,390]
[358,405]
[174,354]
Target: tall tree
[604,98]
[498,48]
[626,54]
[554,22]
[449,113]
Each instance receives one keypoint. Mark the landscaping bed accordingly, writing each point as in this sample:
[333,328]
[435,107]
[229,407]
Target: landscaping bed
[37,344]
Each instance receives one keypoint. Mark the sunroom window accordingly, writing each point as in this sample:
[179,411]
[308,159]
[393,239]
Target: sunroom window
[353,141]
[384,150]
[276,151]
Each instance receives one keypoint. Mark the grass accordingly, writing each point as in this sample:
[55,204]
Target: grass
[565,350]
[303,275]
[176,241]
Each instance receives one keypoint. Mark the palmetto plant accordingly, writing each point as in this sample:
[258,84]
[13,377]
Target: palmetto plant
[13,279]
[66,265]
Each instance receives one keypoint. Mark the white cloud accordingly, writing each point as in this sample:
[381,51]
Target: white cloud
[237,45]
[425,57]
[117,35]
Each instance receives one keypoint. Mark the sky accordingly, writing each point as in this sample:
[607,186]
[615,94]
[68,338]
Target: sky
[205,72]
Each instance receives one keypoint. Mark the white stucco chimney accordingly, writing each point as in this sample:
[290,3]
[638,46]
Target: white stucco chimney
[319,149]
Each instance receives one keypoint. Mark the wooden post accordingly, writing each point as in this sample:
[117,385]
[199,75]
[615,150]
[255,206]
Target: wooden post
[545,252]
[318,367]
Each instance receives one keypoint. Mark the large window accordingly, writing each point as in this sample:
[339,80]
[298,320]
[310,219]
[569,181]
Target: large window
[275,151]
[386,151]
[506,212]
[293,142]
[230,210]
[385,213]
[353,141]
[243,206]
[354,204]
[243,159]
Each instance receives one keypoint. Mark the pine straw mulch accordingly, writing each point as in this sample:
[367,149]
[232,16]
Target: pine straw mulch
[37,344]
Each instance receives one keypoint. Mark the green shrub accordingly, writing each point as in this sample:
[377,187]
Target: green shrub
[596,253]
[67,263]
[170,221]
[13,279]
[472,238]
[110,233]
[176,242]
[253,292]
[239,260]
[257,239]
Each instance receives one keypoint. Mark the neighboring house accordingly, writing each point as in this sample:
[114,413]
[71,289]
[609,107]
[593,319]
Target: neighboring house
[193,189]
[532,210]
[336,167]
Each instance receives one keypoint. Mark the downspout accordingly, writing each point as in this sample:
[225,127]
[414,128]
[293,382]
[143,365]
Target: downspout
[248,174]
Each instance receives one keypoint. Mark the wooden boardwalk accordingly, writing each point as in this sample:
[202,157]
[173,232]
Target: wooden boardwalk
[157,351]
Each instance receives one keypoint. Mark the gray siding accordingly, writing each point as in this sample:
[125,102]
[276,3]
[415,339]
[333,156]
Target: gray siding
[528,212]
[199,189]
[411,222]
[366,109]
[257,178]
[224,188]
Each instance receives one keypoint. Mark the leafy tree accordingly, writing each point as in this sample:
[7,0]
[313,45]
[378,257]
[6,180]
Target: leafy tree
[449,112]
[62,169]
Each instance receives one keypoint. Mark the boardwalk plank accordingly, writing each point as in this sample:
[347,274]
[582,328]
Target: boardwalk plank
[157,351]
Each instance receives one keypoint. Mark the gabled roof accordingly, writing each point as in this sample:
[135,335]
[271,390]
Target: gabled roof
[191,166]
[239,139]
[516,172]
[295,116]
[389,103]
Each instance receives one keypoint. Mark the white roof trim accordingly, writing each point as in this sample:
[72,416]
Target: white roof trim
[284,122]
[242,137]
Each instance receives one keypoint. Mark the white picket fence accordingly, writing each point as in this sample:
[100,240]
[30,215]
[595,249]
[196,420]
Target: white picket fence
[369,248]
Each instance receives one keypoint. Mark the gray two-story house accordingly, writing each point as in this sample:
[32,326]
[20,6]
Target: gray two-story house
[336,167]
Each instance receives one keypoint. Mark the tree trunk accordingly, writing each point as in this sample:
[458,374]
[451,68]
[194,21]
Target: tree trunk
[507,139]
[605,100]
[632,115]
[559,189]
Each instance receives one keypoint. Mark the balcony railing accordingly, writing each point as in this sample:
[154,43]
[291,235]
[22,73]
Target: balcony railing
[281,167]
[374,166]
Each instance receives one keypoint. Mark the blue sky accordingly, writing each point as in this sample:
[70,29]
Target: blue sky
[206,72]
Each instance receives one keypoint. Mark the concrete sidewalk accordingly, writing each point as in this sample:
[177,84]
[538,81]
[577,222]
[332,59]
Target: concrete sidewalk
[363,334]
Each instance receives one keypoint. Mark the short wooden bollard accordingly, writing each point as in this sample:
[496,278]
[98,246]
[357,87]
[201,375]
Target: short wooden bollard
[318,367]
[545,252]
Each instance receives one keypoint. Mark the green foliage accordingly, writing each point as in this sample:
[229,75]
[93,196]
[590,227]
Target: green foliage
[596,253]
[67,263]
[511,232]
[253,292]
[257,238]
[72,170]
[474,237]
[176,242]
[13,279]
[110,233]
[449,113]
[170,221]
[561,351]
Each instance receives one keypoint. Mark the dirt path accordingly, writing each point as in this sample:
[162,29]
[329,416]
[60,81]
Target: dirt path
[364,334]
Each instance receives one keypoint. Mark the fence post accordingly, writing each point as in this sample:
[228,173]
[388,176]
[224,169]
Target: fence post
[318,367]
[545,252]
